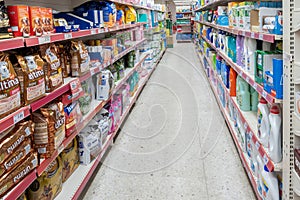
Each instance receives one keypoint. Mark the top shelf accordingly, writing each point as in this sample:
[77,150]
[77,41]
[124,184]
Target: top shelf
[255,35]
[134,5]
[15,43]
[215,4]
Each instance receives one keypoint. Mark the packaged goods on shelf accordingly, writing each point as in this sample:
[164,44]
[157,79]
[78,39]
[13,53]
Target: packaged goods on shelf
[19,20]
[133,81]
[74,20]
[80,63]
[52,67]
[30,71]
[64,55]
[297,160]
[130,15]
[8,181]
[49,130]
[47,20]
[36,26]
[49,184]
[273,79]
[10,90]
[5,31]
[70,159]
[89,95]
[104,85]
[104,124]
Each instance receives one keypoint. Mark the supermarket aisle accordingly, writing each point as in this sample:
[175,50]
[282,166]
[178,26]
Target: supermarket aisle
[175,144]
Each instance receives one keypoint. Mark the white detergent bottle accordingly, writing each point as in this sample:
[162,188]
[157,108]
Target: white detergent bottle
[267,182]
[254,163]
[245,54]
[260,168]
[251,48]
[263,123]
[275,151]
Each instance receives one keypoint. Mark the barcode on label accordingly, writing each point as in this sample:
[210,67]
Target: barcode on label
[18,117]
[44,39]
[68,36]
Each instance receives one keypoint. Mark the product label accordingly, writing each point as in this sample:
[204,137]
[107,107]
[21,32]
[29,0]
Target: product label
[10,103]
[36,91]
[56,79]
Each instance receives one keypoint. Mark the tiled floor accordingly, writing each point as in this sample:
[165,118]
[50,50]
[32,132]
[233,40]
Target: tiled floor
[175,144]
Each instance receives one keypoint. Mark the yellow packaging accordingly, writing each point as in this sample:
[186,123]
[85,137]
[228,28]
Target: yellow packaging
[130,15]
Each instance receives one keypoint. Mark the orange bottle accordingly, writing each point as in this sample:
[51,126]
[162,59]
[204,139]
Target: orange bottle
[232,82]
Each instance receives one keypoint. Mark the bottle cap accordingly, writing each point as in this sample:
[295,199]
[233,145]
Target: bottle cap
[274,109]
[263,101]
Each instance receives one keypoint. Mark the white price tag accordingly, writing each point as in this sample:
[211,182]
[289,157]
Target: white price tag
[261,36]
[247,79]
[44,39]
[18,117]
[255,86]
[93,31]
[257,145]
[100,30]
[241,73]
[250,134]
[60,148]
[68,36]
[266,159]
[252,35]
[264,94]
[245,125]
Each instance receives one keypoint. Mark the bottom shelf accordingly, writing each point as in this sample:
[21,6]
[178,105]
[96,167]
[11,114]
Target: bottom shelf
[74,186]
[230,124]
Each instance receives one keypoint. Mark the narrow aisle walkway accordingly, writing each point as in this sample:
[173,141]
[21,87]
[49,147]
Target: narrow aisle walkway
[175,143]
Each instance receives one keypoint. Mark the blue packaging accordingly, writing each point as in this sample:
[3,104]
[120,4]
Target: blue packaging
[273,81]
[222,20]
[75,20]
[225,74]
[218,66]
[91,15]
[278,29]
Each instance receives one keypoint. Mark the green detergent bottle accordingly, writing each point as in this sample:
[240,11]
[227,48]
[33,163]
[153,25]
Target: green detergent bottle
[244,93]
[254,99]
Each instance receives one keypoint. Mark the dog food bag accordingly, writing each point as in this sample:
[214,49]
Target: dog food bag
[10,180]
[10,90]
[52,67]
[65,60]
[47,20]
[31,76]
[15,139]
[36,25]
[5,31]
[19,20]
[49,184]
[80,63]
[49,129]
[70,159]
[16,158]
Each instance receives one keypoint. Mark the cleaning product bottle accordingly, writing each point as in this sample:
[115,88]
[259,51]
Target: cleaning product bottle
[260,168]
[245,54]
[232,82]
[267,182]
[263,125]
[275,151]
[253,159]
[245,95]
[251,48]
[254,99]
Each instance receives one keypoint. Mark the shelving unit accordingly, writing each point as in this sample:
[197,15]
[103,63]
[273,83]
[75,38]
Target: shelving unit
[83,174]
[248,120]
[184,27]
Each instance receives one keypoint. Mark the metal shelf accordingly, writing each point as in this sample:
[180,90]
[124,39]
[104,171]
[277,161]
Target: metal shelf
[250,34]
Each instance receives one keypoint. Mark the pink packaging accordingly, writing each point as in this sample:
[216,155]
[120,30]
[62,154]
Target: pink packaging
[239,50]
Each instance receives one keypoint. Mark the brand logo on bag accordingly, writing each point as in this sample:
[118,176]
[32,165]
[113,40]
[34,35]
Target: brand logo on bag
[7,84]
[35,74]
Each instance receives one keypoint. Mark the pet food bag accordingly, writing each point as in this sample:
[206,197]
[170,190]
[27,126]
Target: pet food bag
[32,78]
[65,59]
[47,20]
[130,15]
[70,159]
[80,63]
[10,90]
[5,31]
[89,94]
[10,180]
[52,67]
[105,84]
[49,129]
[49,184]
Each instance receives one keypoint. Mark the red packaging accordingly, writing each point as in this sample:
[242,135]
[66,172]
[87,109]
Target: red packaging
[19,20]
[35,21]
[47,20]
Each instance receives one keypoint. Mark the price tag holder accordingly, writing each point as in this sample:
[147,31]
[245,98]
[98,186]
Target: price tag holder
[44,39]
[264,94]
[266,159]
[245,125]
[252,35]
[257,145]
[255,86]
[60,148]
[247,79]
[250,134]
[18,117]
[261,36]
[68,36]
[93,31]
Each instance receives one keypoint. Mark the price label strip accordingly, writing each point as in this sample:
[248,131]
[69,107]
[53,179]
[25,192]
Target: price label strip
[44,39]
[68,36]
[18,117]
